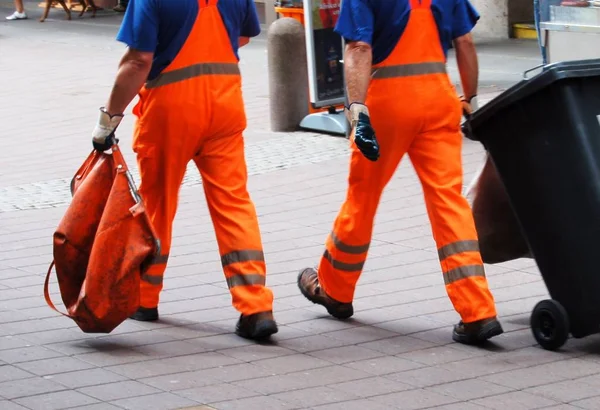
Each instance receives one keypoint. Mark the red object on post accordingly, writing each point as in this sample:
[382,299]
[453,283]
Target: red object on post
[329,11]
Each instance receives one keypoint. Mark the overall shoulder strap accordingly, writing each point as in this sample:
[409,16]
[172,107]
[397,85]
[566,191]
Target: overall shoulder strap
[420,4]
[207,3]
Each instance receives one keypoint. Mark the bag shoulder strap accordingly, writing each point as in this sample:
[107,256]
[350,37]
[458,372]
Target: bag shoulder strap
[47,292]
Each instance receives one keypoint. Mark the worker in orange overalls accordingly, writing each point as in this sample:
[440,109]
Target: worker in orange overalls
[397,85]
[182,61]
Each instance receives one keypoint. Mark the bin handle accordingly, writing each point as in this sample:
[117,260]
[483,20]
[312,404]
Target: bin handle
[530,70]
[466,127]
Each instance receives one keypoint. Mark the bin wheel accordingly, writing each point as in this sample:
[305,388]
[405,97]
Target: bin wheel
[550,324]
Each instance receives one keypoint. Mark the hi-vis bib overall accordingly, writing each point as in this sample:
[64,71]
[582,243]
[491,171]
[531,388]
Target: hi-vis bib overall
[194,111]
[414,109]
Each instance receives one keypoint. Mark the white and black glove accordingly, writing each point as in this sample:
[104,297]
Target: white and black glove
[103,136]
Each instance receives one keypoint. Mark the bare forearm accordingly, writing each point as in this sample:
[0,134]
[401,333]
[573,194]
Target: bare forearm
[131,76]
[468,65]
[357,70]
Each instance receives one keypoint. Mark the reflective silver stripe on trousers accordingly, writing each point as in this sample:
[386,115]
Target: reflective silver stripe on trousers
[242,256]
[159,260]
[347,267]
[458,247]
[246,280]
[407,70]
[351,249]
[463,272]
[155,279]
[152,279]
[192,71]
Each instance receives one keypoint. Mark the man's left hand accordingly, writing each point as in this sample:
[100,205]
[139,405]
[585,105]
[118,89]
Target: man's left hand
[364,135]
[103,135]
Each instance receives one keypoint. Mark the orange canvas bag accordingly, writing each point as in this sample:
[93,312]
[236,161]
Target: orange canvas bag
[101,245]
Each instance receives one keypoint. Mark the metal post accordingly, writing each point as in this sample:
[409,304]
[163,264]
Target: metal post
[288,76]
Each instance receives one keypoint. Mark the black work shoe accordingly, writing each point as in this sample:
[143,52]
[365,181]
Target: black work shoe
[476,332]
[308,283]
[258,326]
[145,314]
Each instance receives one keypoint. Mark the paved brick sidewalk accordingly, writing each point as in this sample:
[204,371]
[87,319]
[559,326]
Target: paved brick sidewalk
[395,353]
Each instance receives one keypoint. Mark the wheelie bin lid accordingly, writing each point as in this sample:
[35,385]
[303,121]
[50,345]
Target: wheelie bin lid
[551,74]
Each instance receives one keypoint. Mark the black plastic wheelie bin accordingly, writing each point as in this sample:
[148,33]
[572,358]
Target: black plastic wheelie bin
[543,136]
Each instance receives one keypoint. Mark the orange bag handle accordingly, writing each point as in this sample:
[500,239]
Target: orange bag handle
[122,167]
[47,293]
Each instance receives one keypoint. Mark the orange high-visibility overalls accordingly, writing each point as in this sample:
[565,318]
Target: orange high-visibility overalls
[194,110]
[414,109]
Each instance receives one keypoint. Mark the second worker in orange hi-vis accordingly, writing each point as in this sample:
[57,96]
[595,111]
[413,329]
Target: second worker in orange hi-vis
[182,61]
[401,100]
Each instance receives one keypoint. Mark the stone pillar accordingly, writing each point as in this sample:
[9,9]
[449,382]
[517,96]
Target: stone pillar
[288,74]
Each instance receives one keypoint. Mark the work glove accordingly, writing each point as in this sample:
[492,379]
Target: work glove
[364,134]
[103,136]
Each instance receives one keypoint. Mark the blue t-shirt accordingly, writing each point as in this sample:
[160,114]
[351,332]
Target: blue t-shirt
[381,23]
[163,26]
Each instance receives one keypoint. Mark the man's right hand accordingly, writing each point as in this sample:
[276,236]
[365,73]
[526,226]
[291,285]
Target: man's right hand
[364,134]
[103,134]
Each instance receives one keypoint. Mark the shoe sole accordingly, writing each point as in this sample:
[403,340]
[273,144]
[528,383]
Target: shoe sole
[263,330]
[142,318]
[331,311]
[487,332]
